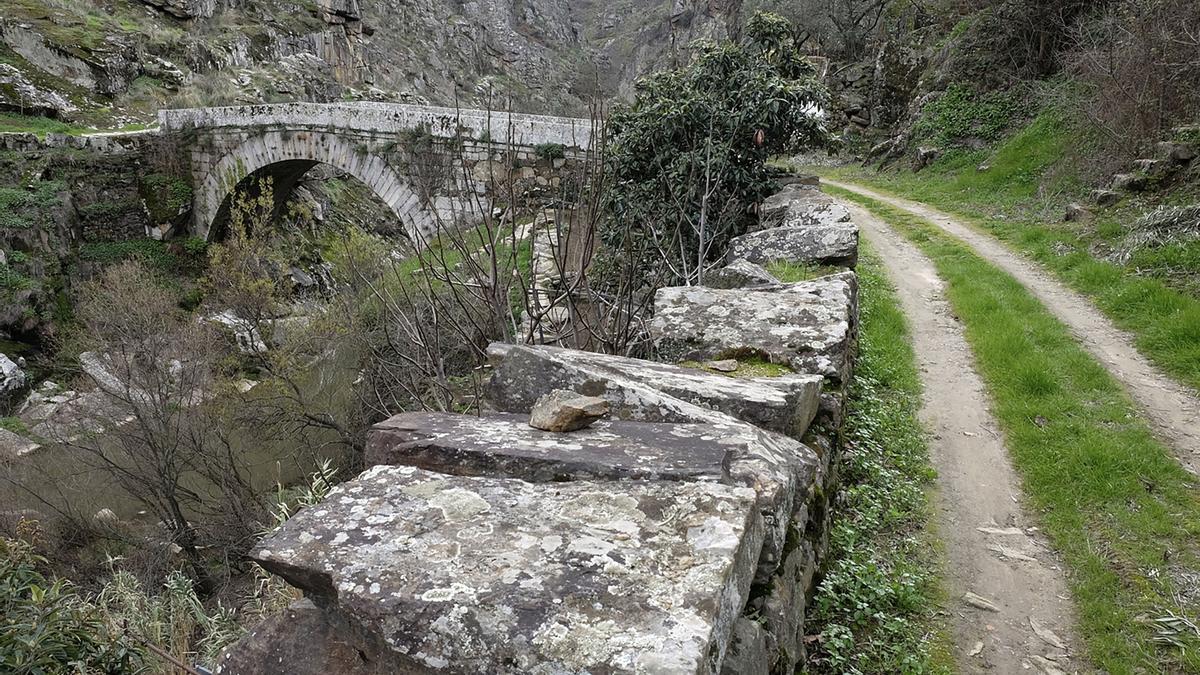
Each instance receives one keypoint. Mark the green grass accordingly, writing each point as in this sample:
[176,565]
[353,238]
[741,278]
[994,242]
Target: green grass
[790,272]
[1118,507]
[1020,200]
[876,609]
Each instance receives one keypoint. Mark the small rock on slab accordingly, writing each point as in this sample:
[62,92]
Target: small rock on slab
[651,392]
[822,244]
[809,326]
[503,576]
[564,410]
[723,366]
[739,274]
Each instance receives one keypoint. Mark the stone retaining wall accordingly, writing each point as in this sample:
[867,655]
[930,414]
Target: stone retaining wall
[683,534]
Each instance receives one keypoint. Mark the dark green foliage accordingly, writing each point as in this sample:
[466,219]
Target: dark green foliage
[687,160]
[550,151]
[961,114]
[165,196]
[48,627]
[160,256]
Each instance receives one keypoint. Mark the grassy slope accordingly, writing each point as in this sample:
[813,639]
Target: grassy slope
[1020,199]
[1120,509]
[876,607]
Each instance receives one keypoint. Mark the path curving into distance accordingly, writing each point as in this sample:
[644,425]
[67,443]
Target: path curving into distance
[1172,409]
[1009,603]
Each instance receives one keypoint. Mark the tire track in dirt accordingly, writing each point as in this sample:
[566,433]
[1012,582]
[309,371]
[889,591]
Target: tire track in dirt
[1172,409]
[1009,603]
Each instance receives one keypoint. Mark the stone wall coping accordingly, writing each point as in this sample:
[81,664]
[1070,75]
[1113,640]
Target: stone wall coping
[502,127]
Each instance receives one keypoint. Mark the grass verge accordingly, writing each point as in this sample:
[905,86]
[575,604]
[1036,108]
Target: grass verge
[1118,507]
[875,609]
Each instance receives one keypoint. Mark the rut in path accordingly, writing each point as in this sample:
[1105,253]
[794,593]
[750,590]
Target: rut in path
[1009,604]
[1172,409]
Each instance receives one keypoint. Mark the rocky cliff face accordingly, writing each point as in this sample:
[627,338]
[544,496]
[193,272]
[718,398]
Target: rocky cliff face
[121,63]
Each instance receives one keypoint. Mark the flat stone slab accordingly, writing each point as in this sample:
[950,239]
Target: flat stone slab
[809,326]
[635,388]
[739,274]
[495,575]
[797,205]
[780,470]
[816,244]
[505,445]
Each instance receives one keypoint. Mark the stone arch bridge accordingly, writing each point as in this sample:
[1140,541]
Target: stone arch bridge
[412,157]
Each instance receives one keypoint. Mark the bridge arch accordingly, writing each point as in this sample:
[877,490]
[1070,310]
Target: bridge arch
[286,155]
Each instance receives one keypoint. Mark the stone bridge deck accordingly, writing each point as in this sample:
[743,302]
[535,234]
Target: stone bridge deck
[497,127]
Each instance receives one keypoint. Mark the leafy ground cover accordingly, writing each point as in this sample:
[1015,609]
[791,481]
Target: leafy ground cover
[876,608]
[1117,506]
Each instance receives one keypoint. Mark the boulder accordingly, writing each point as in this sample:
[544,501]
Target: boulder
[564,410]
[821,244]
[652,392]
[925,156]
[1078,213]
[1104,197]
[14,446]
[1129,182]
[809,326]
[12,379]
[739,274]
[501,576]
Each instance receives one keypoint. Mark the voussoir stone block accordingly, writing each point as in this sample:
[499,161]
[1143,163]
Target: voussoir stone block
[809,326]
[818,244]
[496,575]
[652,392]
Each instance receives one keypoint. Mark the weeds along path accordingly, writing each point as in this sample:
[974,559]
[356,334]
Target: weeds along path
[1172,409]
[1009,604]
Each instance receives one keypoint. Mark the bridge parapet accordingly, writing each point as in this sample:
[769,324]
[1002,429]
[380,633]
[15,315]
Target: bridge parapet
[387,118]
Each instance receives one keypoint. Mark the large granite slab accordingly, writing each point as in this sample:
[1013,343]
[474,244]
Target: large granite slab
[496,575]
[809,326]
[833,244]
[635,388]
[505,445]
[781,471]
[797,205]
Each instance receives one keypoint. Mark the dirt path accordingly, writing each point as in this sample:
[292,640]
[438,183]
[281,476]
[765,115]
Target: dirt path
[1020,620]
[1172,409]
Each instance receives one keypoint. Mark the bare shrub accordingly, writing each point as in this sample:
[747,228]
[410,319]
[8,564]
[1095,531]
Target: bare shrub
[158,426]
[1139,64]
